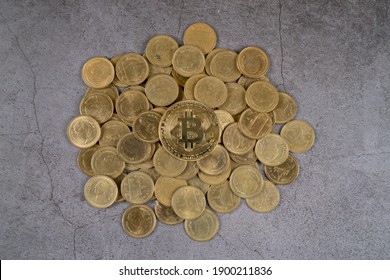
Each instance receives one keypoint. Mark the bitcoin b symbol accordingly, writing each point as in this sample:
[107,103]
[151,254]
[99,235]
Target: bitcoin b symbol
[190,127]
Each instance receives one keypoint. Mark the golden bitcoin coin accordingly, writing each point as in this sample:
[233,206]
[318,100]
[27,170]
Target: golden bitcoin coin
[132,69]
[84,160]
[83,131]
[211,91]
[112,131]
[223,66]
[254,125]
[271,150]
[266,200]
[137,187]
[189,130]
[210,57]
[168,165]
[160,50]
[111,91]
[216,162]
[247,158]
[130,104]
[165,188]
[286,109]
[116,81]
[145,126]
[161,90]
[190,85]
[98,106]
[105,161]
[188,202]
[285,173]
[224,119]
[188,60]
[100,191]
[245,82]
[216,179]
[201,35]
[253,62]
[139,221]
[190,171]
[98,72]
[197,182]
[262,97]
[299,136]
[235,142]
[180,80]
[246,181]
[166,215]
[132,150]
[203,228]
[235,102]
[222,199]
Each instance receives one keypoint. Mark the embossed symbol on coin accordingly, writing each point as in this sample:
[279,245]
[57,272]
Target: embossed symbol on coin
[191,132]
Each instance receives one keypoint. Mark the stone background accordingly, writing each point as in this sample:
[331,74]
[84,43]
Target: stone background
[332,56]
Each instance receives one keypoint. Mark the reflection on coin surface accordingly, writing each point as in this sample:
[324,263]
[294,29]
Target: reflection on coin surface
[98,72]
[100,191]
[222,199]
[266,200]
[83,131]
[137,187]
[139,221]
[204,227]
[285,173]
[271,150]
[299,136]
[166,215]
[201,35]
[246,181]
[188,202]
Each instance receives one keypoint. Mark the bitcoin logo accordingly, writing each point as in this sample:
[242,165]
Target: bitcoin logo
[191,132]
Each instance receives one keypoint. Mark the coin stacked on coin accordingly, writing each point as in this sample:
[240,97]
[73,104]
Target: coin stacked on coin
[182,132]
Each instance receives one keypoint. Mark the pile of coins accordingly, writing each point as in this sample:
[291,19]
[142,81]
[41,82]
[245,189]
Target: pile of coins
[186,130]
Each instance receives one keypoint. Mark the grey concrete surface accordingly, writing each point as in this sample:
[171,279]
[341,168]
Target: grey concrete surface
[332,56]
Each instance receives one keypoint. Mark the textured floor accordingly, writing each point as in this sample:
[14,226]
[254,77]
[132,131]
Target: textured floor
[332,56]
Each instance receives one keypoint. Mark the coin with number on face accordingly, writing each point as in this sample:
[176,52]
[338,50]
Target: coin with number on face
[166,215]
[137,187]
[139,221]
[285,173]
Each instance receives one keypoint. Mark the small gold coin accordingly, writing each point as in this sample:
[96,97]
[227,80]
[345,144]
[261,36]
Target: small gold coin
[203,228]
[190,171]
[83,131]
[139,221]
[197,182]
[145,126]
[286,109]
[246,181]
[245,82]
[247,158]
[100,191]
[188,60]
[105,161]
[132,150]
[211,91]
[84,160]
[111,91]
[98,106]
[216,162]
[235,142]
[188,202]
[285,173]
[112,131]
[299,136]
[190,85]
[130,104]
[216,179]
[98,72]
[210,57]
[222,199]
[152,172]
[235,102]
[271,150]
[201,35]
[116,81]
[137,187]
[167,165]
[132,69]
[254,125]
[224,119]
[166,215]
[161,90]
[160,50]
[155,70]
[165,188]
[180,80]
[266,200]
[262,97]
[223,66]
[253,62]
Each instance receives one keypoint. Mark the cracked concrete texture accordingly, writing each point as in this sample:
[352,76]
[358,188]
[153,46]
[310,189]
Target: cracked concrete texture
[332,56]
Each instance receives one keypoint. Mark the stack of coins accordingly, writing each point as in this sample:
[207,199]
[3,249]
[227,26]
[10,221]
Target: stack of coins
[182,132]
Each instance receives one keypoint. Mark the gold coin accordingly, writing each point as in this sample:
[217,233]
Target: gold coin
[216,162]
[145,126]
[266,200]
[116,81]
[161,90]
[235,102]
[271,150]
[190,171]
[210,57]
[137,88]
[100,191]
[190,85]
[139,221]
[137,187]
[160,50]
[211,91]
[165,188]
[201,35]
[224,119]
[132,69]
[272,116]
[197,182]
[98,72]
[188,202]
[223,66]
[115,117]
[222,199]
[247,158]
[253,62]
[245,81]
[130,104]
[166,215]
[246,181]
[160,110]
[235,142]
[189,130]
[254,125]
[118,181]
[105,161]
[286,109]
[112,131]
[155,70]
[152,172]
[83,131]
[216,179]
[285,173]
[235,165]
[132,150]
[111,91]
[262,97]
[180,80]
[188,60]
[84,160]
[299,136]
[168,165]
[203,228]
[98,106]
